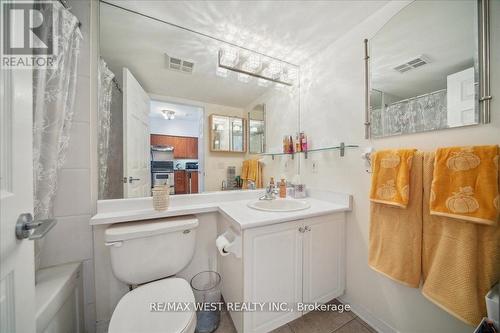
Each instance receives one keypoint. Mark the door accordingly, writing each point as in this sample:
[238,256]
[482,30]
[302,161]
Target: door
[193,176]
[460,98]
[180,181]
[136,139]
[17,276]
[323,258]
[272,273]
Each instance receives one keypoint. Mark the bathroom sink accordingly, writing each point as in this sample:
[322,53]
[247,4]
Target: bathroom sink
[279,205]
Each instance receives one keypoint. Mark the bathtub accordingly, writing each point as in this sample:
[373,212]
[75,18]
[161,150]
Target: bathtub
[59,299]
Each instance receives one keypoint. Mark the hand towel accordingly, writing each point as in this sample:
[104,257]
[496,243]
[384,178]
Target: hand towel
[460,259]
[465,184]
[252,170]
[244,169]
[391,176]
[396,234]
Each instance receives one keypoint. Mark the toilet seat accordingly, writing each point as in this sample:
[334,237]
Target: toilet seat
[133,312]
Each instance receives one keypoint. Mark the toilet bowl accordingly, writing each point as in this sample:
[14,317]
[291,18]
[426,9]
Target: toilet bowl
[144,253]
[144,309]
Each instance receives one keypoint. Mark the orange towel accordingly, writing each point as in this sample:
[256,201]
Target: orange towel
[391,176]
[252,170]
[396,234]
[465,184]
[460,260]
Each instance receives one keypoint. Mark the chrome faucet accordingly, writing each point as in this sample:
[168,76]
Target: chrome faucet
[251,185]
[271,192]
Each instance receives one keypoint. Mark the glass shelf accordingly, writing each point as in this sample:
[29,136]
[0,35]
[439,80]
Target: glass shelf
[340,148]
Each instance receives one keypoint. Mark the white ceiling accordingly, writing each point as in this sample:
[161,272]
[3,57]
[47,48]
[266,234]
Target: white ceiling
[443,31]
[289,30]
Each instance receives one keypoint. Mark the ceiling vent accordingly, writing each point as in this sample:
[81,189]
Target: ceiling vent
[180,65]
[412,64]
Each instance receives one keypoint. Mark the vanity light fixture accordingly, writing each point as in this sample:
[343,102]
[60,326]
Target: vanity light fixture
[168,114]
[228,56]
[247,63]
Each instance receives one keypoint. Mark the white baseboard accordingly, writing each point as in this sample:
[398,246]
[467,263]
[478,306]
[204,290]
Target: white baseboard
[376,323]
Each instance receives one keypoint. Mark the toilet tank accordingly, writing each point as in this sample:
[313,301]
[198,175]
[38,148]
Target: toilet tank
[149,250]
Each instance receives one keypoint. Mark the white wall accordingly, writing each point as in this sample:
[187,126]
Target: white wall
[71,239]
[332,110]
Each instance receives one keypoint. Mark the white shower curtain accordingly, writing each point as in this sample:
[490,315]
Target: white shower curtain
[104,125]
[53,101]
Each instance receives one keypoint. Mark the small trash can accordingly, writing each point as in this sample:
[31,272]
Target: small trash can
[206,289]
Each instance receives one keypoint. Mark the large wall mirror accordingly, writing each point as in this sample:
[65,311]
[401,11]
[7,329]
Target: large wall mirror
[186,110]
[427,70]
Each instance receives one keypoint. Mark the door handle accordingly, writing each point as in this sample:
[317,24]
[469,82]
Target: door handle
[25,225]
[131,179]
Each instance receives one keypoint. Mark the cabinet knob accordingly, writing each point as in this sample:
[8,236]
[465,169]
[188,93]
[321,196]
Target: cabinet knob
[302,229]
[308,228]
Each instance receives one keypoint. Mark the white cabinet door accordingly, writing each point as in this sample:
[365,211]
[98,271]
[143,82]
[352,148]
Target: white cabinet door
[324,268]
[136,141]
[272,273]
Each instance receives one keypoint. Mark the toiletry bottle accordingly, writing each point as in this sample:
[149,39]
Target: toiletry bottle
[285,145]
[298,147]
[282,188]
[290,145]
[304,142]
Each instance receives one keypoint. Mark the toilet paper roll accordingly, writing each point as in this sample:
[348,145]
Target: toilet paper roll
[222,242]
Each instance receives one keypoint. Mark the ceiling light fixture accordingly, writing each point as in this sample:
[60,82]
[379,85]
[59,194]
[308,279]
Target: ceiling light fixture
[168,114]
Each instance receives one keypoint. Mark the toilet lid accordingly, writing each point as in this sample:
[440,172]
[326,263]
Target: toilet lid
[144,309]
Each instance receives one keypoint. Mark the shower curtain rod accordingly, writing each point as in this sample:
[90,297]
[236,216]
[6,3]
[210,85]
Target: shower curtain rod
[67,6]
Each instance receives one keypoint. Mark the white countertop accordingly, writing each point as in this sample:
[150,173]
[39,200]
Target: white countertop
[232,204]
[245,217]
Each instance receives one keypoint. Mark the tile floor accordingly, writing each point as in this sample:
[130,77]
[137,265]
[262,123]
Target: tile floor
[313,322]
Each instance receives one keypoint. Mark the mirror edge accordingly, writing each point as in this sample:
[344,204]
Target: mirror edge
[484,69]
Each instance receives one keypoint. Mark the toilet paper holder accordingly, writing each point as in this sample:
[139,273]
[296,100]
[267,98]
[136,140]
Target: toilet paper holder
[229,243]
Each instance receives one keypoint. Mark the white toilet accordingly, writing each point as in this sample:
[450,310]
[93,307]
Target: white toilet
[142,252]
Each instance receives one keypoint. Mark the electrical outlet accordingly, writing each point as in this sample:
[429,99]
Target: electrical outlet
[315,166]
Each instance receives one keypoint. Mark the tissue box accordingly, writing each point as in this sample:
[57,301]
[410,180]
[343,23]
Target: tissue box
[299,191]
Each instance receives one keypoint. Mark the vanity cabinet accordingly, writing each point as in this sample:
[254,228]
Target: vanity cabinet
[299,261]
